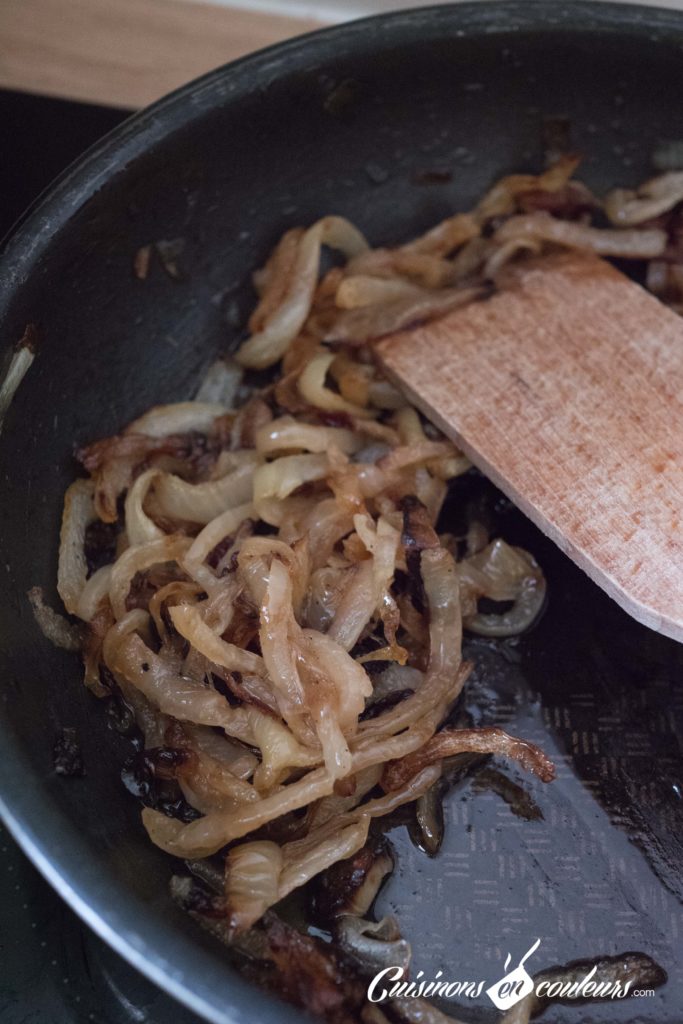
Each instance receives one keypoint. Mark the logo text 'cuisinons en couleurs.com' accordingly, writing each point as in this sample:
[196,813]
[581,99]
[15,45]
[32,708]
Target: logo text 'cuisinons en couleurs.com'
[515,985]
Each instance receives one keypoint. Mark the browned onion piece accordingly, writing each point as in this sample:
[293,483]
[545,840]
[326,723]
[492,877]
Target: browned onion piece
[137,559]
[209,785]
[460,741]
[282,324]
[220,384]
[441,240]
[205,836]
[654,197]
[19,366]
[229,752]
[307,857]
[188,620]
[370,584]
[358,326]
[287,434]
[175,498]
[127,655]
[140,528]
[279,478]
[94,592]
[259,873]
[350,886]
[206,541]
[314,391]
[276,620]
[502,573]
[72,568]
[280,749]
[418,531]
[637,243]
[445,677]
[252,874]
[501,199]
[429,818]
[309,974]
[163,421]
[358,291]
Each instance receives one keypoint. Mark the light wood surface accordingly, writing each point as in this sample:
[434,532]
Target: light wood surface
[126,53]
[567,390]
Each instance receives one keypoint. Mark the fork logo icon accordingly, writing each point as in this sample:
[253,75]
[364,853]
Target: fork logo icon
[515,985]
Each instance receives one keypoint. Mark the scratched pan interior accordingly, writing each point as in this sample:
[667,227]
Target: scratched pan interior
[345,122]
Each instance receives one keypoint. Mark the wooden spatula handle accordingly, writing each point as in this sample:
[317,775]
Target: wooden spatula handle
[566,388]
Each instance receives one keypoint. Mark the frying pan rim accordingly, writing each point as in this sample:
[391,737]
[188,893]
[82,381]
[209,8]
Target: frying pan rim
[28,818]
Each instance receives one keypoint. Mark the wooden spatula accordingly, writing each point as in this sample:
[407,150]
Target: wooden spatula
[566,389]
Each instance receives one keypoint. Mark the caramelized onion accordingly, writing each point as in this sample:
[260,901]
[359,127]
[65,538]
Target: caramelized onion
[139,527]
[637,243]
[190,624]
[502,573]
[358,326]
[625,207]
[502,198]
[220,384]
[224,525]
[269,562]
[127,655]
[20,364]
[313,389]
[178,418]
[200,503]
[282,325]
[459,741]
[279,478]
[252,875]
[289,435]
[94,592]
[138,559]
[72,568]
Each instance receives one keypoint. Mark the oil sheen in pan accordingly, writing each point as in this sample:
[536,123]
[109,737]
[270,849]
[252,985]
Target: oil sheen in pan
[599,873]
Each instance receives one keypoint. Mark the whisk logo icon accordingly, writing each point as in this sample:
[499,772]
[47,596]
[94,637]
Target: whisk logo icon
[515,984]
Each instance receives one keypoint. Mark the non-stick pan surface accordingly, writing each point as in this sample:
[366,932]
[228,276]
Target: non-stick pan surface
[352,121]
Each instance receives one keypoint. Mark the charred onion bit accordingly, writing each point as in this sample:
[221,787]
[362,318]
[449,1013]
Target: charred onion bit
[100,545]
[417,536]
[428,831]
[145,773]
[350,886]
[418,531]
[518,800]
[309,973]
[378,707]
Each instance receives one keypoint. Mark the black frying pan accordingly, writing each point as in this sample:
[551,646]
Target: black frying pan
[354,120]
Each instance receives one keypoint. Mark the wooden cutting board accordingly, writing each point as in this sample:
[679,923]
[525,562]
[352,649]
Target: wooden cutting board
[566,389]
